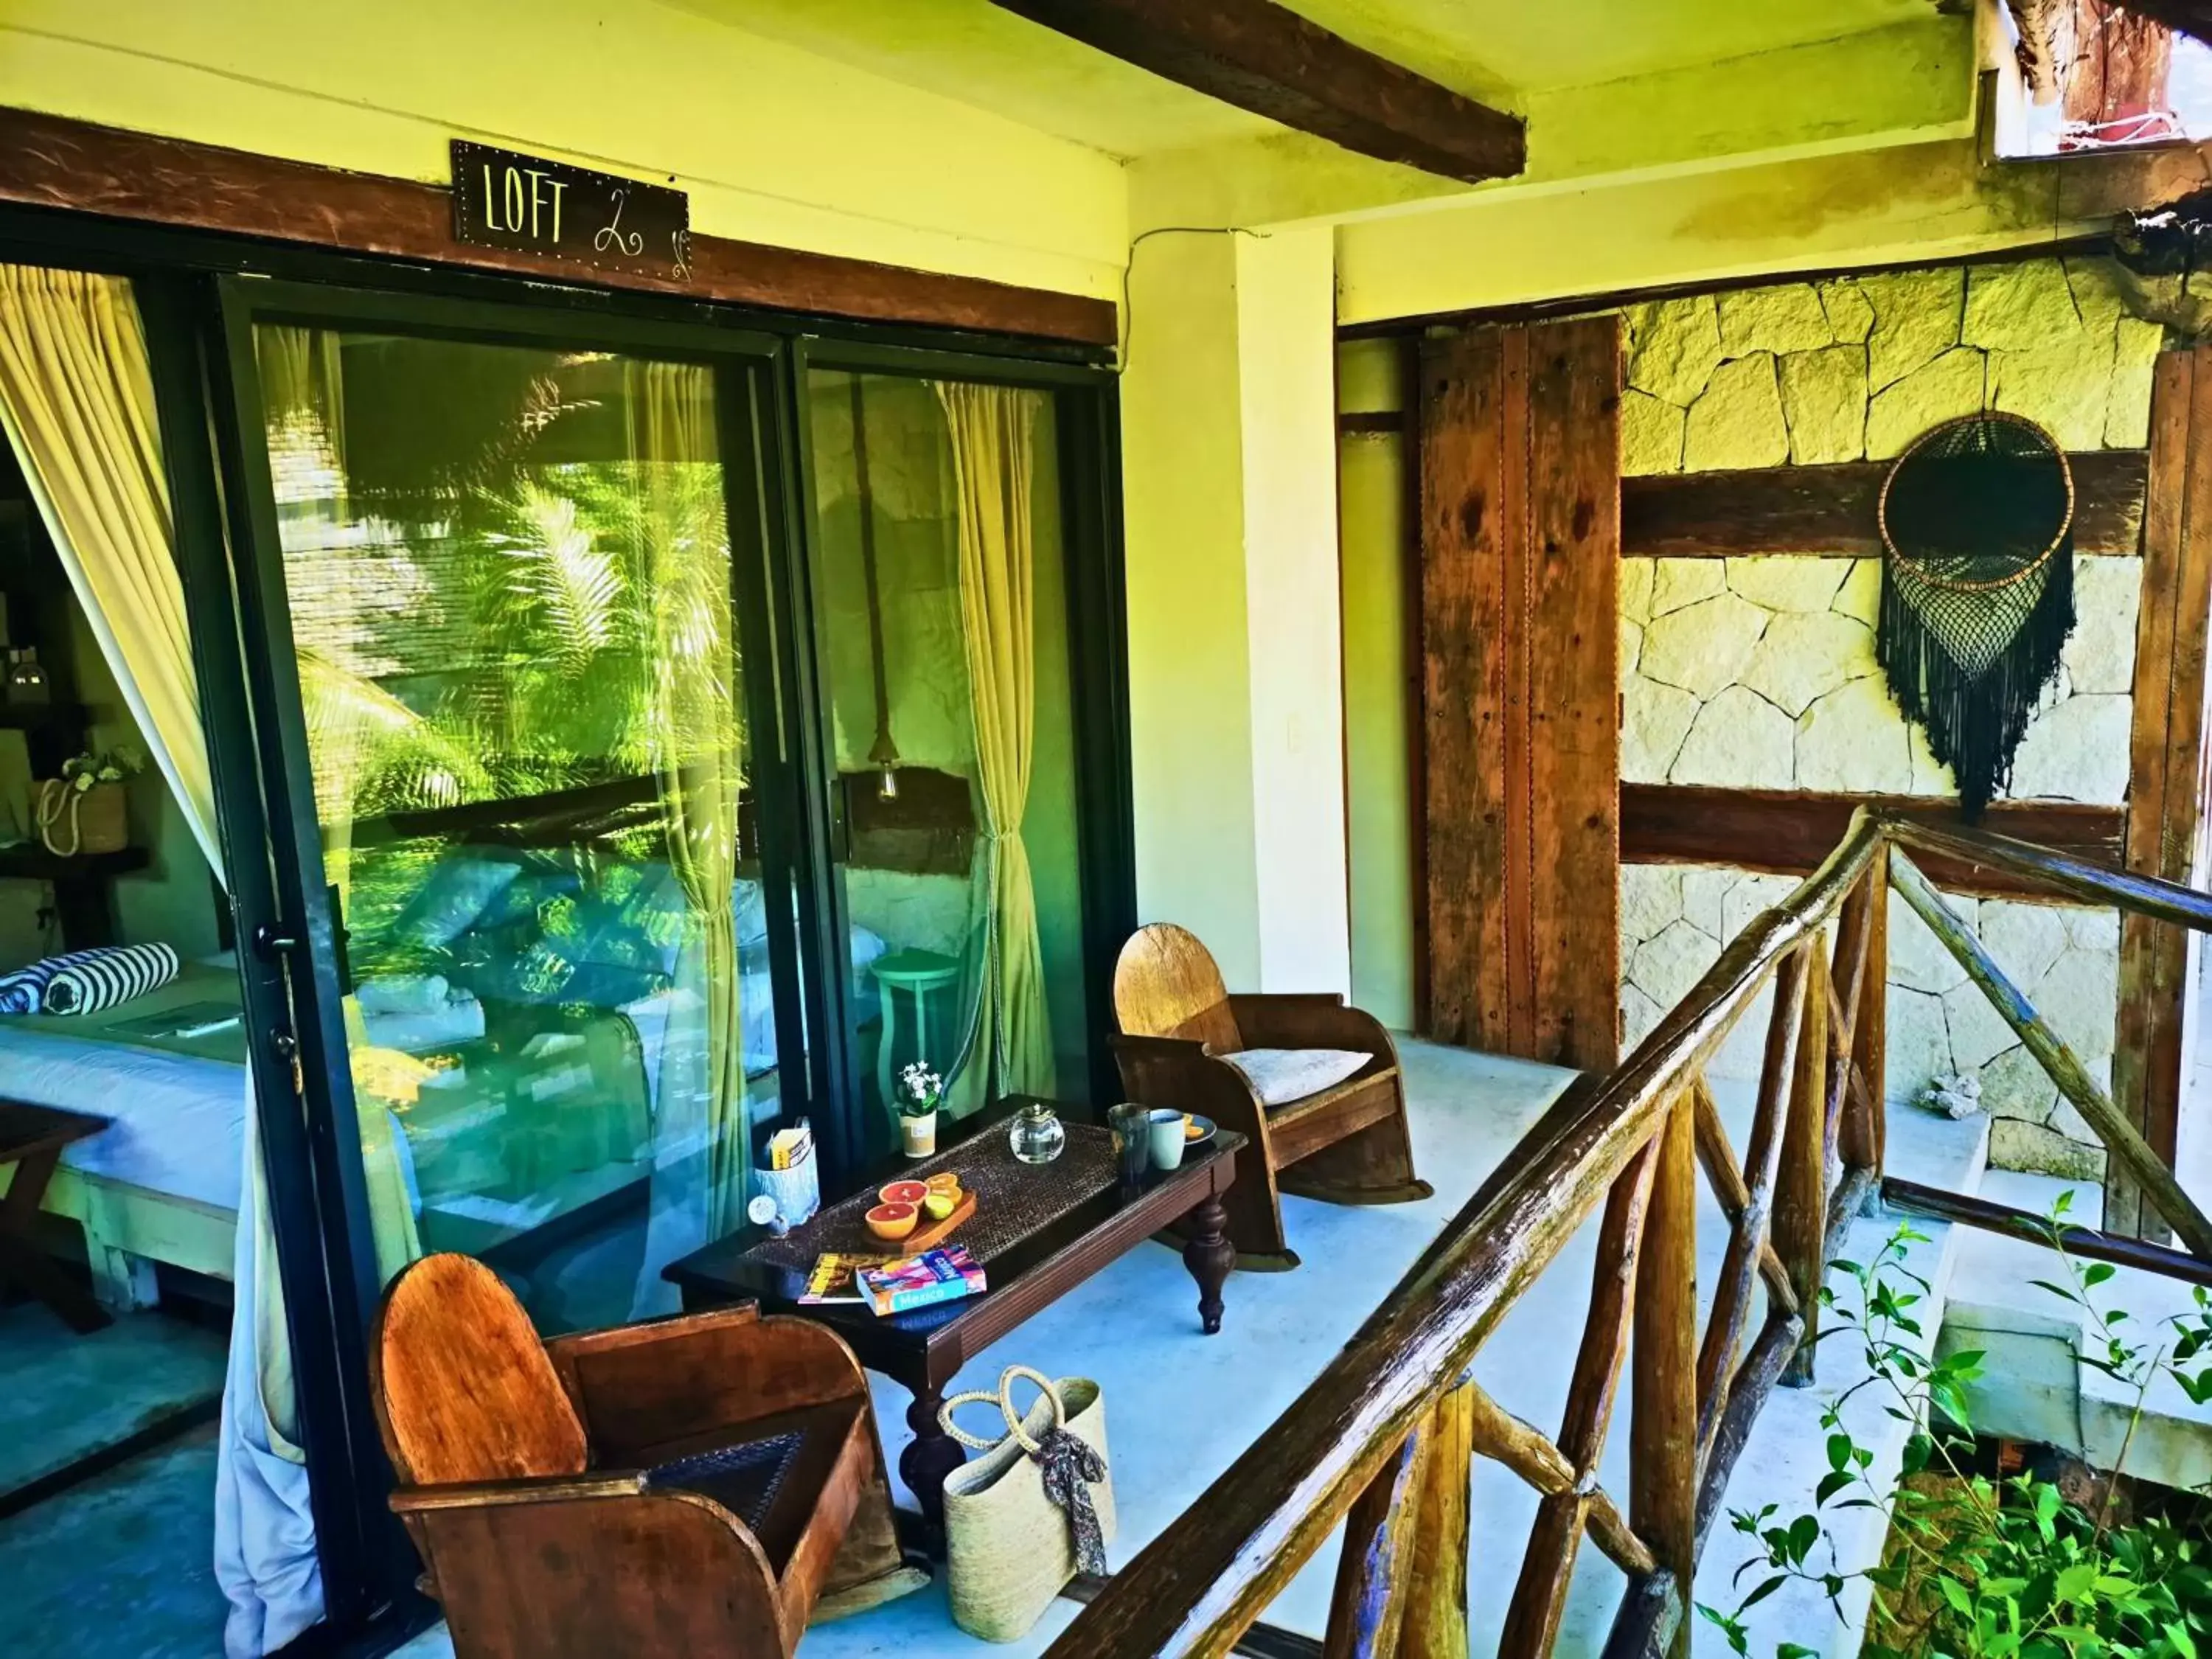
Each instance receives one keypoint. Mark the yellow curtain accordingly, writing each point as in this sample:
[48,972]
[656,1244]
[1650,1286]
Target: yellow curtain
[76,402]
[994,464]
[76,394]
[701,768]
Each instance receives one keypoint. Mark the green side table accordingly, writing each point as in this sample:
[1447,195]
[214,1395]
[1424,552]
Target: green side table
[919,974]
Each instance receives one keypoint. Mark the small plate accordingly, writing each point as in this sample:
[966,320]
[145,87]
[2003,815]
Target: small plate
[1204,1131]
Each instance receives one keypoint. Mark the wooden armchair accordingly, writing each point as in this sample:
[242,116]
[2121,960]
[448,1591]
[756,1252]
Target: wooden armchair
[1347,1143]
[700,1485]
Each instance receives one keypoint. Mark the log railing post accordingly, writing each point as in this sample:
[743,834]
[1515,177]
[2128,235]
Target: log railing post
[1847,981]
[1865,1127]
[1435,1626]
[1368,1610]
[1539,1596]
[1800,1195]
[1747,1245]
[1401,1579]
[1662,1492]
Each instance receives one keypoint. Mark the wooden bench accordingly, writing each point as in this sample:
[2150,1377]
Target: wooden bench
[32,1139]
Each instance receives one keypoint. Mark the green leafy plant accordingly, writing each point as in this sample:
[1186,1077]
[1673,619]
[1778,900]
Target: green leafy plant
[101,766]
[1979,1568]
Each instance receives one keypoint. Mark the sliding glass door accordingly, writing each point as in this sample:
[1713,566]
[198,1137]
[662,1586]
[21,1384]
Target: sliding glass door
[942,613]
[507,579]
[666,733]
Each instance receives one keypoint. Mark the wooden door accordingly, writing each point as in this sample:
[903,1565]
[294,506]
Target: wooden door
[2167,768]
[1520,617]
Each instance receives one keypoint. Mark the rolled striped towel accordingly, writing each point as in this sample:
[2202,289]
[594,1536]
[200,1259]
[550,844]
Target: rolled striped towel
[89,981]
[24,991]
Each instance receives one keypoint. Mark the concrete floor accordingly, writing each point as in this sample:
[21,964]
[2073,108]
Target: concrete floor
[64,1397]
[1180,1406]
[135,1544]
[121,1567]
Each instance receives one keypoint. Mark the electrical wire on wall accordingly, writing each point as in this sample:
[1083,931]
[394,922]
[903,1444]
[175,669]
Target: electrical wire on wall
[1128,316]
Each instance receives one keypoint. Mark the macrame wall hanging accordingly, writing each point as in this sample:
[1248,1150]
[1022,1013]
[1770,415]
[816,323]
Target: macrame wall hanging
[1976,588]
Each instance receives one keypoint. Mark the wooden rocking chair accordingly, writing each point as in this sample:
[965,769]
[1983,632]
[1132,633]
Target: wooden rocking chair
[1347,1145]
[700,1485]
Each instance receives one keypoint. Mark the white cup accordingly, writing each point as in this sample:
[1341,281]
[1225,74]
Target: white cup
[1165,1130]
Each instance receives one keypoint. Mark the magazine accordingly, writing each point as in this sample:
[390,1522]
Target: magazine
[921,1281]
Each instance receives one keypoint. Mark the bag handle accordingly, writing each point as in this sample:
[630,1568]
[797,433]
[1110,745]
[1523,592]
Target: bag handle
[1013,1418]
[1004,1399]
[977,1397]
[56,800]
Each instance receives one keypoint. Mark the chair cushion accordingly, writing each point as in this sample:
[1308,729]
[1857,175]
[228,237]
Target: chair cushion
[743,1479]
[1280,1076]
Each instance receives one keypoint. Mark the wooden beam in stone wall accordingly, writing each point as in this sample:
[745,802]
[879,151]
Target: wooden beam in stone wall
[1265,58]
[1831,510]
[1788,832]
[50,160]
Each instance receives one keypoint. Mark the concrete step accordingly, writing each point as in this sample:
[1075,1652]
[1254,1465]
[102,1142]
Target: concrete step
[2033,1386]
[1787,1454]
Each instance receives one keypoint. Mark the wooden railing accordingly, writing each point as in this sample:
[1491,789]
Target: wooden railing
[1383,1438]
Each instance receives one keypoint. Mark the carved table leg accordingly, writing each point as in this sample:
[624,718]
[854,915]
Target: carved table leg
[1209,1255]
[929,1457]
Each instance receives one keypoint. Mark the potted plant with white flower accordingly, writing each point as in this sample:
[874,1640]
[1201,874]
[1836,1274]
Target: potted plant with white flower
[920,1091]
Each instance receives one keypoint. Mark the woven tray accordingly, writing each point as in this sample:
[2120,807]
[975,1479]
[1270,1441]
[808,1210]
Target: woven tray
[1013,1199]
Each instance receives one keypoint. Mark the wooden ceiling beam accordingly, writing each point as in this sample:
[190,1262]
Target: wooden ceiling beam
[1265,58]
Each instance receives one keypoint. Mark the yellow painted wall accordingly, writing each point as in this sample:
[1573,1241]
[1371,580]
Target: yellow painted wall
[772,143]
[1190,712]
[1235,646]
[1378,781]
[1287,377]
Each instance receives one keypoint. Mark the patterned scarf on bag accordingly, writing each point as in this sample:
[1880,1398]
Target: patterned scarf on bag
[1070,1463]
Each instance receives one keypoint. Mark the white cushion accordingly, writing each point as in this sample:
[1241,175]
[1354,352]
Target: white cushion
[1279,1076]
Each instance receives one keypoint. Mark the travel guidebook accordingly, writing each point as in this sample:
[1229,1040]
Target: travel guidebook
[920,1281]
[833,1277]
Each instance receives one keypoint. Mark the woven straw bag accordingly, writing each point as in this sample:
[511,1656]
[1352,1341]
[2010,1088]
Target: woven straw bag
[1009,1550]
[73,821]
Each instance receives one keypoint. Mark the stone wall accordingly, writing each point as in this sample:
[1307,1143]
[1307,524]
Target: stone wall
[1674,919]
[1760,672]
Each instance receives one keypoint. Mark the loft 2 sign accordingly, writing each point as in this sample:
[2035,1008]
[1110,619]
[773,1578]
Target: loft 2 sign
[569,215]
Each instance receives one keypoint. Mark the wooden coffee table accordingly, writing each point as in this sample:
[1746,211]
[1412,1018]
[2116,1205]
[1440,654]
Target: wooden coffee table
[32,1139]
[1039,1231]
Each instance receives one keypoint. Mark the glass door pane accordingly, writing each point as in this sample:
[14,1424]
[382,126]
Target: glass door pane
[940,574]
[509,570]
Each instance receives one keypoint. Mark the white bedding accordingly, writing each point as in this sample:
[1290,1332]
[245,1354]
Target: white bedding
[176,1118]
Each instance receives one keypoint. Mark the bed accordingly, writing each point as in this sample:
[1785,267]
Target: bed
[553,1016]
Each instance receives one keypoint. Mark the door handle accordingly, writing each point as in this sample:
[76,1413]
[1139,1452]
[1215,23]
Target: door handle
[841,821]
[272,945]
